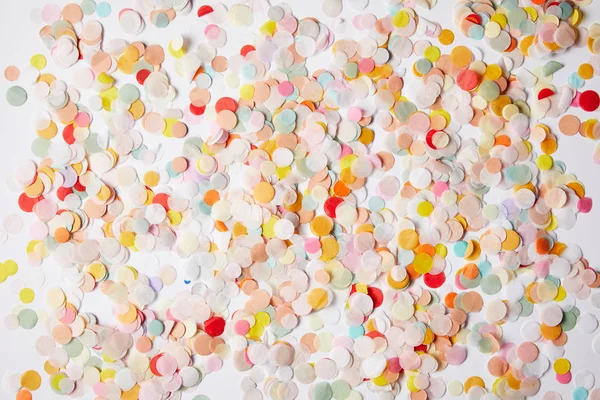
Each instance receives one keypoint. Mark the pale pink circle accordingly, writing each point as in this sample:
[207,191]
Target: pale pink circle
[352,262]
[354,114]
[366,65]
[166,365]
[345,150]
[439,188]
[312,245]
[546,32]
[69,316]
[419,122]
[356,22]
[98,388]
[527,352]
[38,230]
[542,268]
[285,88]
[50,13]
[241,327]
[257,119]
[211,32]
[289,23]
[214,363]
[82,120]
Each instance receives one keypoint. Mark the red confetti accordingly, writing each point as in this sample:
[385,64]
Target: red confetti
[434,281]
[79,186]
[142,75]
[331,204]
[376,295]
[247,49]
[429,139]
[420,347]
[197,110]
[162,199]
[474,18]
[153,362]
[214,326]
[26,203]
[68,134]
[226,103]
[375,334]
[545,93]
[63,192]
[203,10]
[589,101]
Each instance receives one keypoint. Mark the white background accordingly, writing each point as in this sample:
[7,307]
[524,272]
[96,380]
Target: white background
[19,40]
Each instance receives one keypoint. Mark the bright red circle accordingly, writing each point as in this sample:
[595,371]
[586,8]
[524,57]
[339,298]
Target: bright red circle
[214,326]
[434,281]
[162,199]
[226,103]
[589,101]
[26,203]
[142,75]
[330,206]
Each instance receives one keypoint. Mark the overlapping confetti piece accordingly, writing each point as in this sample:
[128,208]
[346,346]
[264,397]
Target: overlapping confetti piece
[405,192]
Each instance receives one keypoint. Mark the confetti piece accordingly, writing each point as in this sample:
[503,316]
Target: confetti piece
[551,67]
[16,96]
[310,250]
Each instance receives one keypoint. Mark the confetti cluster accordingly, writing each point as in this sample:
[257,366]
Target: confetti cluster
[397,191]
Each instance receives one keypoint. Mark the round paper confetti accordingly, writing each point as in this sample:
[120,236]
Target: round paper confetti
[338,206]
